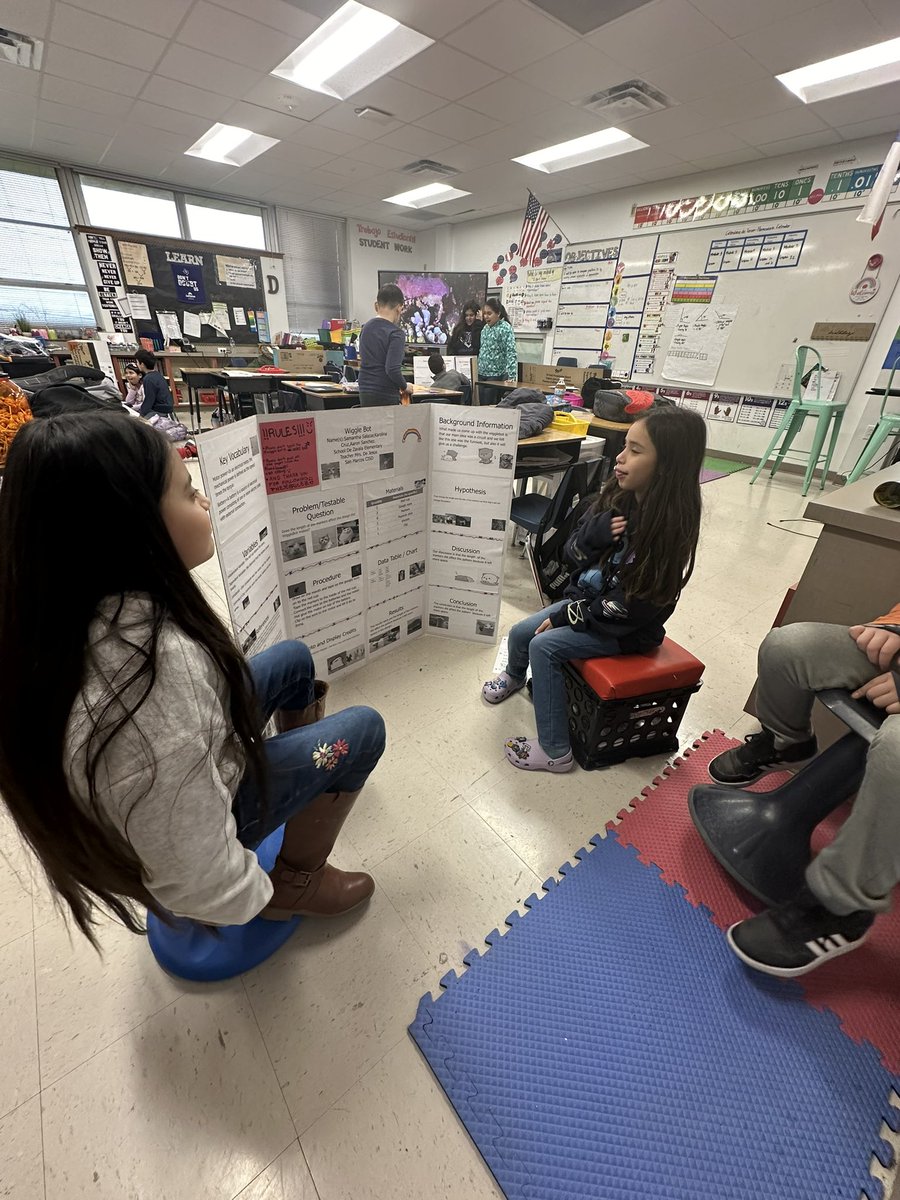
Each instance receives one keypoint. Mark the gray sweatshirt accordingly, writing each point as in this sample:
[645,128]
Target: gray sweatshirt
[182,829]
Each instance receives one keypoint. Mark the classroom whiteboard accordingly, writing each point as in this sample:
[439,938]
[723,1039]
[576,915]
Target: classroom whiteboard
[780,277]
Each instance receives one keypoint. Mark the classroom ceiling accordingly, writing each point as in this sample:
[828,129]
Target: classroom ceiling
[126,86]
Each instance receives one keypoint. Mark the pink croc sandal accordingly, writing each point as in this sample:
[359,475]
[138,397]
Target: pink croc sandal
[495,691]
[527,755]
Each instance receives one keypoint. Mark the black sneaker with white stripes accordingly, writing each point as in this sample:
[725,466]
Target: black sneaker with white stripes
[797,936]
[757,757]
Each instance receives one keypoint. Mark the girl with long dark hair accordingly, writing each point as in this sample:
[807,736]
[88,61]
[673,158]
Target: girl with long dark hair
[132,757]
[631,555]
[497,357]
[465,337]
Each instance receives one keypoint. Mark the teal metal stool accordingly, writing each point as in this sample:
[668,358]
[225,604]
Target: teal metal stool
[798,410]
[888,424]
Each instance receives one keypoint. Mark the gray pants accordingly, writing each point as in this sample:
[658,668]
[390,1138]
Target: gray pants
[861,866]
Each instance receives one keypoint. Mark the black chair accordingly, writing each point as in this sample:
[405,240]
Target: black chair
[567,362]
[762,839]
[545,542]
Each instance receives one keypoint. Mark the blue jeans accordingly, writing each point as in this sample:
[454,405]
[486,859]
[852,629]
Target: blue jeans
[546,654]
[302,763]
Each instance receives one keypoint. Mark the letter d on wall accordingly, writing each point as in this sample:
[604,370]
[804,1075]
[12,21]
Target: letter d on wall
[273,285]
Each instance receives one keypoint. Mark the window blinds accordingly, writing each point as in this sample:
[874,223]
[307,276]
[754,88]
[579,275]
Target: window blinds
[314,267]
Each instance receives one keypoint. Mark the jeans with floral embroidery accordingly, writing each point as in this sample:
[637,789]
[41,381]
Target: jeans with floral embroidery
[336,754]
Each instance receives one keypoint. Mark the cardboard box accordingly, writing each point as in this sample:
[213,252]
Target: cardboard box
[543,376]
[312,361]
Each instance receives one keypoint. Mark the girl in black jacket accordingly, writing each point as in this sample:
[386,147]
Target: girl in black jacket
[631,555]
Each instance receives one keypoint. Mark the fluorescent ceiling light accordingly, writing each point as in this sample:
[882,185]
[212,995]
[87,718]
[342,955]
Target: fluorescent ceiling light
[353,48]
[230,144]
[424,197]
[593,146]
[867,68]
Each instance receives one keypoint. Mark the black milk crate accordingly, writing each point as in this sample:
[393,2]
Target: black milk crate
[605,732]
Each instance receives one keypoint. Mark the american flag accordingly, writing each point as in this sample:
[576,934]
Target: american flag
[533,225]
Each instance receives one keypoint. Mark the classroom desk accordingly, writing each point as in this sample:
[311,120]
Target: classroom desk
[547,452]
[323,399]
[614,434]
[500,385]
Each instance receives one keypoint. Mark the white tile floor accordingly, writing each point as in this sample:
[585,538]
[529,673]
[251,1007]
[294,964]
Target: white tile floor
[299,1081]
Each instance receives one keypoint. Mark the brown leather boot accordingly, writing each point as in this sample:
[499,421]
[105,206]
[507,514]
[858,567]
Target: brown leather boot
[296,718]
[305,883]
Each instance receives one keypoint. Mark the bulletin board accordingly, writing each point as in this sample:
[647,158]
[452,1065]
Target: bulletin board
[174,289]
[761,286]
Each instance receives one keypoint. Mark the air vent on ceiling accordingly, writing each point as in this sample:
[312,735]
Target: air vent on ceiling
[376,115]
[628,100]
[20,50]
[427,166]
[584,16]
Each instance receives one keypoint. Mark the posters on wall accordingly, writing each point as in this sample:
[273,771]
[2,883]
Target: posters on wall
[533,297]
[357,531]
[236,272]
[698,344]
[135,264]
[588,274]
[188,278]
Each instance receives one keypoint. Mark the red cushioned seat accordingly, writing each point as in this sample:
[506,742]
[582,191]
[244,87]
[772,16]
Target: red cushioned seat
[667,667]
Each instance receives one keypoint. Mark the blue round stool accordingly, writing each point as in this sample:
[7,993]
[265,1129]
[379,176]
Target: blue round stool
[191,951]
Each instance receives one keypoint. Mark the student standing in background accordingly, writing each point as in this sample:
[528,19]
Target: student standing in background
[465,338]
[497,358]
[382,345]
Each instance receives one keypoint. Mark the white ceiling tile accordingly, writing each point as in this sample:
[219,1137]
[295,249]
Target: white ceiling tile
[456,122]
[19,80]
[333,141]
[700,75]
[81,142]
[796,122]
[87,68]
[20,109]
[295,196]
[77,118]
[387,184]
[732,159]
[706,144]
[866,129]
[575,72]
[434,18]
[652,159]
[174,120]
[191,66]
[350,168]
[481,151]
[738,16]
[79,30]
[161,17]
[233,37]
[285,17]
[30,17]
[446,72]
[321,178]
[821,32]
[887,14]
[196,172]
[553,124]
[19,137]
[510,36]
[660,173]
[344,120]
[417,141]
[759,99]
[80,95]
[402,99]
[282,96]
[263,120]
[386,158]
[289,157]
[183,97]
[795,145]
[863,106]
[660,128]
[508,99]
[656,33]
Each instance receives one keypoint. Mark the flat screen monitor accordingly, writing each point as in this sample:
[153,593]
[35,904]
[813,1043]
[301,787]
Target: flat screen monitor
[434,301]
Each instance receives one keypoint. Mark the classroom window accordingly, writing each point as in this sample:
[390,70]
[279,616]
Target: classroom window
[41,280]
[313,248]
[112,204]
[224,223]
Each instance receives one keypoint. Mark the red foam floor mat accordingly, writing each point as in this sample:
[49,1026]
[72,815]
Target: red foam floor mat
[862,989]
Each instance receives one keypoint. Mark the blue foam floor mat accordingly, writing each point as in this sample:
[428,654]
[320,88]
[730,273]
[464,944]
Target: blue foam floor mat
[609,1046]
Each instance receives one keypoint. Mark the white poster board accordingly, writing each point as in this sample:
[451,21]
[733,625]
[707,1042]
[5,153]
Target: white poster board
[533,298]
[464,364]
[357,530]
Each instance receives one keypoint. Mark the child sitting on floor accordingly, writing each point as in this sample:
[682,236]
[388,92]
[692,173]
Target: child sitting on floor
[631,555]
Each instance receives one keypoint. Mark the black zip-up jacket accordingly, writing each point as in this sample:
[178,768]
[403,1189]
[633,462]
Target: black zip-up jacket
[637,625]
